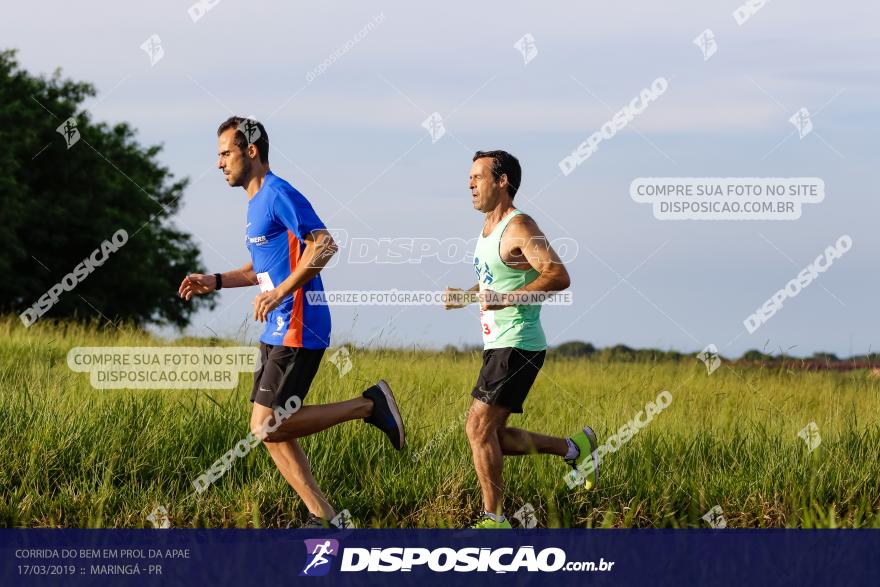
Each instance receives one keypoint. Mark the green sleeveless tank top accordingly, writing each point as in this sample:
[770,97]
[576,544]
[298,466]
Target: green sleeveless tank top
[514,326]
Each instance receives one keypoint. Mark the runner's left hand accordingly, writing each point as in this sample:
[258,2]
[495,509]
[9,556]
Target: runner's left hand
[491,300]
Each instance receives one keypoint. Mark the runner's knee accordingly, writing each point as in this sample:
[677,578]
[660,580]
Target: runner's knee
[261,418]
[479,427]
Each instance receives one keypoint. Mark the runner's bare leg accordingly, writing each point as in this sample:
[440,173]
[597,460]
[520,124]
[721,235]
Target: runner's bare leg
[309,420]
[515,441]
[288,455]
[293,464]
[483,423]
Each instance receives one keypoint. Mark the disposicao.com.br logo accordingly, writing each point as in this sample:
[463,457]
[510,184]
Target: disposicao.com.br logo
[442,560]
[318,556]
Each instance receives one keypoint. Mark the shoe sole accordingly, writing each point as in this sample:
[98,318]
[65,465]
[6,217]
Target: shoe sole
[594,445]
[492,528]
[392,405]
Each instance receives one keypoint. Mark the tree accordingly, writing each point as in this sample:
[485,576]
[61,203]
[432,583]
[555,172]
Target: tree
[575,349]
[619,352]
[755,355]
[63,194]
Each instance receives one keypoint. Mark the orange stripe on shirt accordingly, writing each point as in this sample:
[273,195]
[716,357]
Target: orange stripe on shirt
[294,338]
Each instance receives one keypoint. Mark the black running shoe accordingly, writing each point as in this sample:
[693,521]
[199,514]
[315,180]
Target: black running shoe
[385,416]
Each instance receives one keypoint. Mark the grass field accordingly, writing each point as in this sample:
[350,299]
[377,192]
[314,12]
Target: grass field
[73,456]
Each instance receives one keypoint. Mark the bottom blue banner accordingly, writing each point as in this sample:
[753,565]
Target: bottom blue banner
[618,557]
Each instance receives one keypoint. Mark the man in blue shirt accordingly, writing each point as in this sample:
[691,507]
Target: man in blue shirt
[289,245]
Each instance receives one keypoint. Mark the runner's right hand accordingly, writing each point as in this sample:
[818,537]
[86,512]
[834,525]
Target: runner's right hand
[196,284]
[455,298]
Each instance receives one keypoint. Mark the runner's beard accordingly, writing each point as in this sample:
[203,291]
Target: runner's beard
[245,175]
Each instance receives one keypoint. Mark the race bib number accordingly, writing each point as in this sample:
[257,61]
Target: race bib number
[490,328]
[265,282]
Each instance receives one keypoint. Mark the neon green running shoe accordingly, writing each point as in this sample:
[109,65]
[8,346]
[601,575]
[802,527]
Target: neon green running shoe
[487,523]
[586,464]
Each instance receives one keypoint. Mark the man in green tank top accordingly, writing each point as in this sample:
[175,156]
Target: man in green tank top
[515,265]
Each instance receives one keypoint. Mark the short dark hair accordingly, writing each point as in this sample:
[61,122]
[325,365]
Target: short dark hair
[503,163]
[241,141]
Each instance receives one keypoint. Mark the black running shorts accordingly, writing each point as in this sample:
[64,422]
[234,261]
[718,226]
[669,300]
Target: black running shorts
[507,376]
[284,372]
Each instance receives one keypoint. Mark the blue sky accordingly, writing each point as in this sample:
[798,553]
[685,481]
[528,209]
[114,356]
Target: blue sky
[352,141]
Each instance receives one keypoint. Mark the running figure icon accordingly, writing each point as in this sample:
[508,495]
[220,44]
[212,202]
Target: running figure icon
[320,550]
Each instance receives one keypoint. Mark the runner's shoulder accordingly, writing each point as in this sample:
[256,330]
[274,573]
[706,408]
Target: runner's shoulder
[522,222]
[281,188]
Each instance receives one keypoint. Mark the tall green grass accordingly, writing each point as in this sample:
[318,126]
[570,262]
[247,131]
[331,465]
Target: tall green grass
[74,456]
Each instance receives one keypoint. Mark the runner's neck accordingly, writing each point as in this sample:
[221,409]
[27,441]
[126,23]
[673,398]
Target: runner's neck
[255,183]
[494,217]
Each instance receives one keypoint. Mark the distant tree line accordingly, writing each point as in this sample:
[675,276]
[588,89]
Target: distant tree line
[621,353]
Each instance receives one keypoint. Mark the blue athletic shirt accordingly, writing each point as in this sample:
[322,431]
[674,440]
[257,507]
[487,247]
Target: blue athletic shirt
[278,218]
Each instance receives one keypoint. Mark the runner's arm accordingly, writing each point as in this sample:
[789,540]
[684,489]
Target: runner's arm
[319,249]
[200,284]
[242,277]
[540,256]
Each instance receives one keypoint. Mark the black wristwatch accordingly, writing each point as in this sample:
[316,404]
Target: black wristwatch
[218,278]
